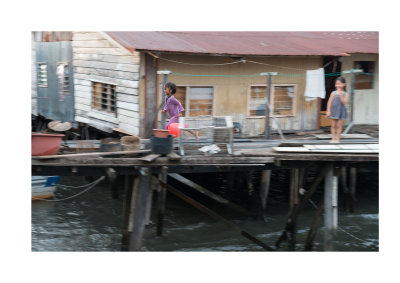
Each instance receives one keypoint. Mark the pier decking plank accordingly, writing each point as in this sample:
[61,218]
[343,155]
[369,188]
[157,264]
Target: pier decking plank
[247,153]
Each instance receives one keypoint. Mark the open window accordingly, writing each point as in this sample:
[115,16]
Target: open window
[282,100]
[104,97]
[42,74]
[63,76]
[197,100]
[363,81]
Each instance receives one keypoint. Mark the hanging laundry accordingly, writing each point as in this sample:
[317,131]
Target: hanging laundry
[315,84]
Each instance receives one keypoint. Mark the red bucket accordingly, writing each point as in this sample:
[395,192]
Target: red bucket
[45,144]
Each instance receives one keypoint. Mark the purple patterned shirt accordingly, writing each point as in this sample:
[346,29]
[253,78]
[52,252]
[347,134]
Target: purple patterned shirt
[173,107]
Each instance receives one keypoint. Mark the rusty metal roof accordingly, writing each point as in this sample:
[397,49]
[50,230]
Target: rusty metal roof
[250,43]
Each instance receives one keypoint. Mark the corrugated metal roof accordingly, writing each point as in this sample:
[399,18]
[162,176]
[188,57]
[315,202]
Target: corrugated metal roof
[250,43]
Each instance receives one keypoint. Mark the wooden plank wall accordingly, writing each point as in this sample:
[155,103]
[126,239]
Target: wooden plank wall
[97,58]
[231,93]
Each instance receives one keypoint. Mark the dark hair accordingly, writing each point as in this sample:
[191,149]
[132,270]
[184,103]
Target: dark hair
[171,86]
[342,80]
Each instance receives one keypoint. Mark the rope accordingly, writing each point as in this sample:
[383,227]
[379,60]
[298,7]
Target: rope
[315,206]
[91,185]
[353,235]
[78,187]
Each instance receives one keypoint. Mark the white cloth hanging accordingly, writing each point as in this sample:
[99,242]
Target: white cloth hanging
[315,84]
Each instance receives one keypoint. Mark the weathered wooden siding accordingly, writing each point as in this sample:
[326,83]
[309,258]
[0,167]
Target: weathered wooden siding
[366,101]
[96,57]
[231,93]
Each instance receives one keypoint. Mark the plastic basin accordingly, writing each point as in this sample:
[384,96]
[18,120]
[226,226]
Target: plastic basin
[45,144]
[159,133]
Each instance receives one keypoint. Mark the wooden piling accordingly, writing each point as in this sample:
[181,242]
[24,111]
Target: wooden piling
[149,202]
[353,183]
[161,198]
[294,202]
[215,216]
[314,228]
[128,185]
[294,187]
[343,183]
[116,184]
[254,204]
[293,214]
[330,205]
[349,197]
[302,179]
[139,207]
[210,194]
[264,187]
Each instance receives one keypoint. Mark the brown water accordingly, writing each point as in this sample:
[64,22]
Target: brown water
[92,222]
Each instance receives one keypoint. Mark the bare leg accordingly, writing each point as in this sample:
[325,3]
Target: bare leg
[195,134]
[336,134]
[333,131]
[339,130]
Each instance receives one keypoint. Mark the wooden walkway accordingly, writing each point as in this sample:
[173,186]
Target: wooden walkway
[146,172]
[249,153]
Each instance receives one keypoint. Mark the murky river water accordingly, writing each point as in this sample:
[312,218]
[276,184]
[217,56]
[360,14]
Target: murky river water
[92,222]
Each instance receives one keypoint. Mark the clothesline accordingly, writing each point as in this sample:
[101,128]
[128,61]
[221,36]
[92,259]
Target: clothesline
[258,75]
[242,60]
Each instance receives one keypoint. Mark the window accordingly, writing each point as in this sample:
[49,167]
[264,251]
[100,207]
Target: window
[42,74]
[199,100]
[103,97]
[63,78]
[282,100]
[257,100]
[180,95]
[364,81]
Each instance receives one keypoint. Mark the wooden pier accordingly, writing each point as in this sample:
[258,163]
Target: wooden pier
[145,172]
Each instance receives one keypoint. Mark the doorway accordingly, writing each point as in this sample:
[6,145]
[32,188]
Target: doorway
[331,65]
